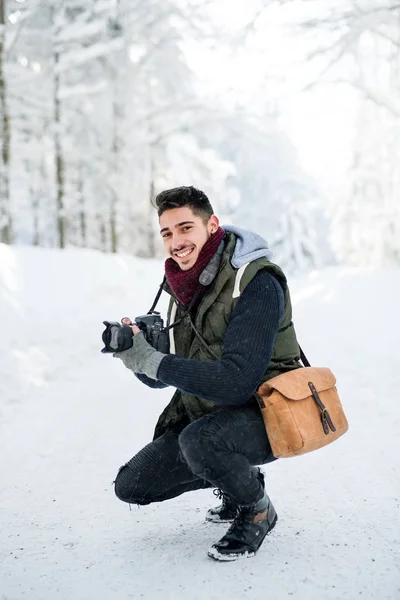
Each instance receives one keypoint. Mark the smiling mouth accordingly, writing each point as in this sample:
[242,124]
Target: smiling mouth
[184,253]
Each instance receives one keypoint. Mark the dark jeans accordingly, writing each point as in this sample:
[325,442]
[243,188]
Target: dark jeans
[219,450]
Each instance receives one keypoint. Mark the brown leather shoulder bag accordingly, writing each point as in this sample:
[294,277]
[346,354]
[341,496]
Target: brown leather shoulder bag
[301,410]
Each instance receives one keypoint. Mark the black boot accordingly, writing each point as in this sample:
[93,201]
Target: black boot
[246,534]
[225,512]
[229,509]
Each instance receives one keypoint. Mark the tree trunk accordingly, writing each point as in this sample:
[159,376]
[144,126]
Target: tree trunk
[113,226]
[82,212]
[35,216]
[5,210]
[151,237]
[103,234]
[114,199]
[61,218]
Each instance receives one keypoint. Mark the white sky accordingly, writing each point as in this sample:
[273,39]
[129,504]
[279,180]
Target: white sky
[319,122]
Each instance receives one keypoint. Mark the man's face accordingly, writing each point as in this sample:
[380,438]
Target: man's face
[184,234]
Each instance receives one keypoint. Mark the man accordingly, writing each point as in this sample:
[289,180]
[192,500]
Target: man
[232,329]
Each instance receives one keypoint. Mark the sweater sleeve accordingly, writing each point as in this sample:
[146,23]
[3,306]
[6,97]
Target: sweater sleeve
[247,349]
[151,383]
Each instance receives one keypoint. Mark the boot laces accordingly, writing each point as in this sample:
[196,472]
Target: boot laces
[227,501]
[218,493]
[241,525]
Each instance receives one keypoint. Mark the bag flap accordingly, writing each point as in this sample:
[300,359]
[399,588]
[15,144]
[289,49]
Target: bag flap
[294,384]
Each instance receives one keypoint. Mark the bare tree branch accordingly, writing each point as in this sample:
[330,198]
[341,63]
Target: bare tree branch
[386,101]
[387,37]
[329,65]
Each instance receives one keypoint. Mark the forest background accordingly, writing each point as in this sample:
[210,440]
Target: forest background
[286,113]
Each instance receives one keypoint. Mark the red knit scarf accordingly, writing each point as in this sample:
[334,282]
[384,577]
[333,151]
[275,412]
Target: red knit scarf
[184,283]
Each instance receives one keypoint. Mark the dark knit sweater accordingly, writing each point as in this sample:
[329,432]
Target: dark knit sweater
[247,350]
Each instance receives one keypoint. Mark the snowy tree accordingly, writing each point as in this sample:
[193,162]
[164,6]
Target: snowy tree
[5,209]
[109,85]
[277,199]
[105,112]
[357,44]
[295,240]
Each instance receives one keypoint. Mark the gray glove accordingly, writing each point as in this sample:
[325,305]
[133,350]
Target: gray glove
[141,358]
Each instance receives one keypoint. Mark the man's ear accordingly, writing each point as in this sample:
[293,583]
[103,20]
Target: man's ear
[213,223]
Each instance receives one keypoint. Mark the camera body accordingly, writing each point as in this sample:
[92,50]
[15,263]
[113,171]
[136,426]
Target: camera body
[154,331]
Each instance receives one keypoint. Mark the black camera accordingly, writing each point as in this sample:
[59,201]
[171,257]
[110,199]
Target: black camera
[154,331]
[117,337]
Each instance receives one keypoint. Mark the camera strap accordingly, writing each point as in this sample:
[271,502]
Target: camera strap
[187,311]
[202,340]
[156,299]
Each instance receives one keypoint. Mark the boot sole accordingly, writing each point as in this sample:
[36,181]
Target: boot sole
[228,557]
[220,557]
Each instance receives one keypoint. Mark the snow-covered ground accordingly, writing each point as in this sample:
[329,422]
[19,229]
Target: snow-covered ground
[70,416]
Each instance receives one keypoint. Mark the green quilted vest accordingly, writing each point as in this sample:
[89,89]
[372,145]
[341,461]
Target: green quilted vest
[211,321]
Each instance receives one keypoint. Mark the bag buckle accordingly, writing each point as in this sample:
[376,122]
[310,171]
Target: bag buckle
[325,416]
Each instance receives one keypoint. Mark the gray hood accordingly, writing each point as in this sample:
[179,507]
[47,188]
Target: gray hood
[249,246]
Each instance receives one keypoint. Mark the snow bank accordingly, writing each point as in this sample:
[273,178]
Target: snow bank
[70,416]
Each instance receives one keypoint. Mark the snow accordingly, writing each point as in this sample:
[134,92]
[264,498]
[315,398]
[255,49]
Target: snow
[70,416]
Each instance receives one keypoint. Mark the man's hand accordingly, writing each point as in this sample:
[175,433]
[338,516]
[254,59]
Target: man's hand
[141,357]
[127,321]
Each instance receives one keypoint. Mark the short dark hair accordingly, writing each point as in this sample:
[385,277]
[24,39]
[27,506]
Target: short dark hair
[185,196]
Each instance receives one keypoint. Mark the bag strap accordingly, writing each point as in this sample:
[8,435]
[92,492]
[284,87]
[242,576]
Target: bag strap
[304,358]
